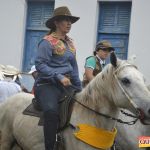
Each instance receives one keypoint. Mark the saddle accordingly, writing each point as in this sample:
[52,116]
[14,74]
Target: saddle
[65,110]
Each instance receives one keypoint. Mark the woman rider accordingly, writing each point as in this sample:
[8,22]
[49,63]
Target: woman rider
[56,66]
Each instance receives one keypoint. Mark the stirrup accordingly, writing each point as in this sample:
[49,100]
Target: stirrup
[59,144]
[114,147]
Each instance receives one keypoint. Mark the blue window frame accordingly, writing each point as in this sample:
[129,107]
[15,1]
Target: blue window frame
[37,14]
[114,24]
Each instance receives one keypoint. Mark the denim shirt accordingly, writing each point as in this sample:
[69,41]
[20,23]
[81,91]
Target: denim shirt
[52,67]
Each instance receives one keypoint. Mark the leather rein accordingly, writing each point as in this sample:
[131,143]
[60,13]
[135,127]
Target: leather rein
[129,99]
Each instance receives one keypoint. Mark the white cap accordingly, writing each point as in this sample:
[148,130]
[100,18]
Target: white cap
[33,69]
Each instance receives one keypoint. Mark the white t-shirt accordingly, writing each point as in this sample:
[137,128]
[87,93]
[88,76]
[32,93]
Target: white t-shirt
[8,88]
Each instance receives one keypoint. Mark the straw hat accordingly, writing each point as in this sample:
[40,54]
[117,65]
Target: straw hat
[11,71]
[1,76]
[61,12]
[1,72]
[2,67]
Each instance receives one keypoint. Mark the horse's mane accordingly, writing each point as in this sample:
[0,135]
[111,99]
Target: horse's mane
[94,91]
[98,88]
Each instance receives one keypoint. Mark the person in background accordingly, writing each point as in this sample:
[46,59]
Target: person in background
[9,81]
[94,64]
[34,74]
[57,69]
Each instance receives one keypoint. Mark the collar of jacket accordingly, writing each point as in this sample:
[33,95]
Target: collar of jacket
[58,44]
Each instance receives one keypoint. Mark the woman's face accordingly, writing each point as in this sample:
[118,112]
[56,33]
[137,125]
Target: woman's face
[63,25]
[103,54]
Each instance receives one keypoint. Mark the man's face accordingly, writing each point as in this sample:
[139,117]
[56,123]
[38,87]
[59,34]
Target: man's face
[103,54]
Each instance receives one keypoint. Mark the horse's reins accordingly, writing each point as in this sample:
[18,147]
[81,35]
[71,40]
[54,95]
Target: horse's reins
[105,115]
[109,117]
[128,97]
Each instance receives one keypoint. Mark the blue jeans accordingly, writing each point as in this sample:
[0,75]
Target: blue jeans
[48,95]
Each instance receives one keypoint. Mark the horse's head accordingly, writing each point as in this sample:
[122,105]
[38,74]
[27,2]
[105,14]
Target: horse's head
[129,89]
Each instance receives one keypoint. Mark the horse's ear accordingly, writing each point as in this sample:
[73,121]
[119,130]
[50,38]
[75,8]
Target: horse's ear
[113,59]
[132,59]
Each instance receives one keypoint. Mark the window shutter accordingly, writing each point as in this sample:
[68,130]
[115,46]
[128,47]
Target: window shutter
[38,15]
[35,15]
[47,13]
[114,19]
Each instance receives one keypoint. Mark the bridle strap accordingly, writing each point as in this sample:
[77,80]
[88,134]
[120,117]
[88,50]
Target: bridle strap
[107,116]
[128,97]
[125,93]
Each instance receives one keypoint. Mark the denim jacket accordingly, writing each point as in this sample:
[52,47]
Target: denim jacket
[53,67]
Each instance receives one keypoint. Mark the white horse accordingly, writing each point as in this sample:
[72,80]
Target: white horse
[127,138]
[119,85]
[128,135]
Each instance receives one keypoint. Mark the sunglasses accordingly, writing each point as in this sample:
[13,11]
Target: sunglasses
[105,49]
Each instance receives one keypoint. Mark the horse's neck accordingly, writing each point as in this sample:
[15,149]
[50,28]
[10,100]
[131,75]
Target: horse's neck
[97,97]
[83,115]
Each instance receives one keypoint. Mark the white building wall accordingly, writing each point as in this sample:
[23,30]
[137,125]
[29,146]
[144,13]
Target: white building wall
[12,26]
[84,32]
[139,40]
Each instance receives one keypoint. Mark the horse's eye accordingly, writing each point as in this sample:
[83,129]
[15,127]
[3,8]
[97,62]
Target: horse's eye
[125,81]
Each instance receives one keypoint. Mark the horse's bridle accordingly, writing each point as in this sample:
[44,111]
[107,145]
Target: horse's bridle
[140,114]
[125,93]
[110,117]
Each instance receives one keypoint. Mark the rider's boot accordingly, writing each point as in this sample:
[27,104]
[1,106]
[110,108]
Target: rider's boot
[50,129]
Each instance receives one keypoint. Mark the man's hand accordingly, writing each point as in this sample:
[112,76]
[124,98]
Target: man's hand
[65,81]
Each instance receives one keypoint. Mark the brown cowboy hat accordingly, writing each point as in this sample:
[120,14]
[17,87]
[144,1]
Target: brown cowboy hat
[61,12]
